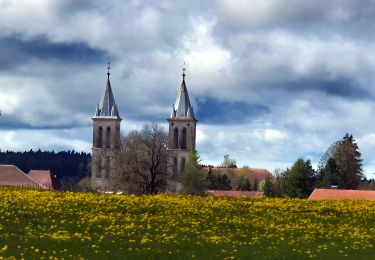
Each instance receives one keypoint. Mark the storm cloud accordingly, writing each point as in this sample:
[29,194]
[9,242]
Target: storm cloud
[270,81]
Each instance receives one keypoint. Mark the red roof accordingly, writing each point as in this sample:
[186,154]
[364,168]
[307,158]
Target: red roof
[43,177]
[337,194]
[232,193]
[10,175]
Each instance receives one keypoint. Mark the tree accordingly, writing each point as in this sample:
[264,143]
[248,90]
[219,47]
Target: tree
[144,160]
[241,181]
[267,187]
[229,162]
[217,181]
[299,180]
[278,183]
[349,163]
[329,175]
[371,186]
[85,184]
[255,184]
[224,182]
[193,178]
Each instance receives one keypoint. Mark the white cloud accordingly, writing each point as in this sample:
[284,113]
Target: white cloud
[274,135]
[201,136]
[210,63]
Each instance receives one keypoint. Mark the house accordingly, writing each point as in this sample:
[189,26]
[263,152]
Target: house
[44,177]
[337,194]
[11,175]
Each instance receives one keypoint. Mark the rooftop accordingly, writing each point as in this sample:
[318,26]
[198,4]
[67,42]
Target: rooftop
[337,194]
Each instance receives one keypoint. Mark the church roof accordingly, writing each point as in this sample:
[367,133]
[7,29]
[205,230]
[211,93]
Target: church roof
[183,107]
[107,106]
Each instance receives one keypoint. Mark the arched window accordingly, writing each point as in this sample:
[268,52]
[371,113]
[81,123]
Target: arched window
[100,137]
[107,167]
[183,139]
[182,165]
[174,171]
[175,137]
[108,137]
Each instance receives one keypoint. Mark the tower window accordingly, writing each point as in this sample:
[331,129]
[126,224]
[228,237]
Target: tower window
[108,139]
[100,137]
[183,139]
[175,138]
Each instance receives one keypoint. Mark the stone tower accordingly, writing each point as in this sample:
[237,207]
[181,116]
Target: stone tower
[182,131]
[106,140]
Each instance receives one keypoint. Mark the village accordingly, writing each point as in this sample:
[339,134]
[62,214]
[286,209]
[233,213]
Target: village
[217,129]
[114,169]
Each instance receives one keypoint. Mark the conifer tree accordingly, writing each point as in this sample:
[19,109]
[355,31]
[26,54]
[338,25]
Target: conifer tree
[268,188]
[193,178]
[329,175]
[299,180]
[349,163]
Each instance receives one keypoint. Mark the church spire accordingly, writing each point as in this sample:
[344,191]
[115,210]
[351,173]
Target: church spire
[183,107]
[107,105]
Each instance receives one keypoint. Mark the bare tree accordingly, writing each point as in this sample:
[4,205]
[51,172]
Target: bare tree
[144,158]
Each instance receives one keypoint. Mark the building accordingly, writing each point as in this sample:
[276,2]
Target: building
[106,140]
[11,175]
[44,177]
[337,194]
[182,131]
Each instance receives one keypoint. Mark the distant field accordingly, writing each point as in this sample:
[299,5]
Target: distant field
[36,224]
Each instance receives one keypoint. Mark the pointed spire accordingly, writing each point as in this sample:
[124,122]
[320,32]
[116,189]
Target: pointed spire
[183,104]
[107,105]
[190,112]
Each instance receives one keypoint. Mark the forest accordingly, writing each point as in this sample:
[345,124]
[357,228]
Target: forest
[62,164]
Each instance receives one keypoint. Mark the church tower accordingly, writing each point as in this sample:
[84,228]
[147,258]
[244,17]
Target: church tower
[182,131]
[106,140]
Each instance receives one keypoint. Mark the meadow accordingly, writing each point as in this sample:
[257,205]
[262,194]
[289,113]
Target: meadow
[55,225]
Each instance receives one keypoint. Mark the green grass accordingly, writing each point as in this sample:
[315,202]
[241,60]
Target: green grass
[44,224]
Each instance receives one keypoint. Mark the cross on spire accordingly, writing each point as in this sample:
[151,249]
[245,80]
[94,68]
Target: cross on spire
[183,71]
[108,68]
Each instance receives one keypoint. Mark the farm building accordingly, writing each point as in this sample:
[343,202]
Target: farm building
[10,175]
[337,194]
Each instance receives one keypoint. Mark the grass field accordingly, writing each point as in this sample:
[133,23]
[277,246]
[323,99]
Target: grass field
[45,224]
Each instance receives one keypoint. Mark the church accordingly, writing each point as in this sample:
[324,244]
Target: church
[106,136]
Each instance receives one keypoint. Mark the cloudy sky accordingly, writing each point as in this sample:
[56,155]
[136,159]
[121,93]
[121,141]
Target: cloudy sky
[270,80]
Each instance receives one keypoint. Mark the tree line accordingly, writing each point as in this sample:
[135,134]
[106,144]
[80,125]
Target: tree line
[62,164]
